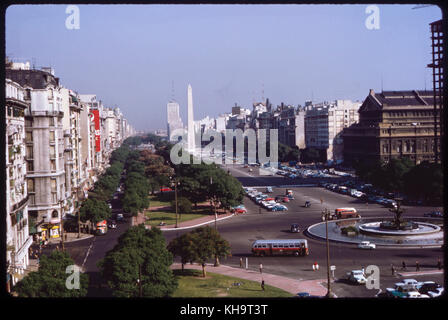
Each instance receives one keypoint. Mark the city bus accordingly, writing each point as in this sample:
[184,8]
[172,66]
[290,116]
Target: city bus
[342,213]
[295,247]
[346,213]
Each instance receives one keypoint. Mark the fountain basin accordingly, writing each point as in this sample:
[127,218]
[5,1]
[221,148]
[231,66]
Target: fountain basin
[428,234]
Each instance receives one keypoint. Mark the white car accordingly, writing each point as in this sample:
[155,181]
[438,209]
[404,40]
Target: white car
[366,245]
[416,294]
[356,276]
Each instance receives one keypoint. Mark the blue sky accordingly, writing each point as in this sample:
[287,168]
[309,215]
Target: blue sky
[129,55]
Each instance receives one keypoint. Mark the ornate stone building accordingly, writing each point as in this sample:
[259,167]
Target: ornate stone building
[393,124]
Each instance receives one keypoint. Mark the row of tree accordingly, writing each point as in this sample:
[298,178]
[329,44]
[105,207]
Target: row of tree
[95,208]
[421,182]
[136,185]
[197,182]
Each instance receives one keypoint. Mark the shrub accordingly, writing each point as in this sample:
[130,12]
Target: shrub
[183,205]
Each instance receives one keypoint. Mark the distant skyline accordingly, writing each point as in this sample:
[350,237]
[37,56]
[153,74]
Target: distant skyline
[130,55]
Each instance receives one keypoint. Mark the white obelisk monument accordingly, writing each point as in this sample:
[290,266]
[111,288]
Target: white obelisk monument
[190,128]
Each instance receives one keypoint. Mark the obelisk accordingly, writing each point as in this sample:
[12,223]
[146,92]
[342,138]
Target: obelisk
[190,127]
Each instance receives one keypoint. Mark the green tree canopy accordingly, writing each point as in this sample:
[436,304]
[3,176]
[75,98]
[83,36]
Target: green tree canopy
[50,280]
[139,265]
[94,210]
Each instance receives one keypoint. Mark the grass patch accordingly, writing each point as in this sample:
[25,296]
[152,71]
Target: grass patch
[160,201]
[170,217]
[192,285]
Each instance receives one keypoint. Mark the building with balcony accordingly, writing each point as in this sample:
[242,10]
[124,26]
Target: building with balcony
[18,239]
[44,146]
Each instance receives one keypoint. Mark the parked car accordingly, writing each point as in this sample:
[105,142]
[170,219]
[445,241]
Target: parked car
[286,199]
[120,217]
[295,228]
[356,276]
[366,245]
[112,224]
[434,214]
[430,288]
[279,207]
[240,210]
[400,290]
[269,190]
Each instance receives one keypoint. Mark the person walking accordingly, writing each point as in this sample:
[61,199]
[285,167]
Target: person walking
[403,266]
[262,285]
[439,264]
[417,266]
[241,262]
[392,269]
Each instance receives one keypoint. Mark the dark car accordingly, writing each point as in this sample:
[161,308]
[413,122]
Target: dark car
[434,214]
[120,217]
[295,227]
[112,224]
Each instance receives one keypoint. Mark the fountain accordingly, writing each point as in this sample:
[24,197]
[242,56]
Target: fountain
[396,231]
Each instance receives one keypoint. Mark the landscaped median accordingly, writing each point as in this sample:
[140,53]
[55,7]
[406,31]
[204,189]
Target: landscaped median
[161,210]
[193,285]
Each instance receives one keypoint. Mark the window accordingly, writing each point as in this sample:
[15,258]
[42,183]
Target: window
[30,185]
[29,152]
[51,136]
[53,185]
[52,152]
[54,214]
[29,136]
[30,166]
[53,165]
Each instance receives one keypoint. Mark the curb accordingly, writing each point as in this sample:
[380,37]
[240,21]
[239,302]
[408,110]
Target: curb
[197,225]
[74,240]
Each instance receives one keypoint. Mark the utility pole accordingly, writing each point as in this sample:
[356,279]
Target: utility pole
[175,196]
[79,218]
[329,295]
[140,281]
[62,226]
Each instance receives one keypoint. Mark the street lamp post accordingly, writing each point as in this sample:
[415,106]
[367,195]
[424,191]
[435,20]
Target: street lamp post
[175,198]
[329,295]
[62,225]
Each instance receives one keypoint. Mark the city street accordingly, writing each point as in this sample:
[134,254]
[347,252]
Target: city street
[242,230]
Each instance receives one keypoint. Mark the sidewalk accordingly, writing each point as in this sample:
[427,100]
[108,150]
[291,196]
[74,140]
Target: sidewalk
[420,273]
[70,237]
[313,287]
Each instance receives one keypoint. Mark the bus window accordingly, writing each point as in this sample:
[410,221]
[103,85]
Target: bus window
[263,246]
[291,245]
[280,246]
[275,246]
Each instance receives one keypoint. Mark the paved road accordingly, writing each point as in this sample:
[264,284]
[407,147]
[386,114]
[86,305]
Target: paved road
[242,230]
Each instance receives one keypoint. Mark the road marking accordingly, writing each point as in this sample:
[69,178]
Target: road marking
[87,254]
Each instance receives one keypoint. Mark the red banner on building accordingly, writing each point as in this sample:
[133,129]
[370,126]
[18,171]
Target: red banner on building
[96,120]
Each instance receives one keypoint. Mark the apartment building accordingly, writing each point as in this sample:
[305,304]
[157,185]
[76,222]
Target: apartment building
[324,124]
[18,239]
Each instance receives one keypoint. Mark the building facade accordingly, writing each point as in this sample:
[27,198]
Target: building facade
[18,239]
[393,124]
[324,124]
